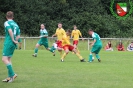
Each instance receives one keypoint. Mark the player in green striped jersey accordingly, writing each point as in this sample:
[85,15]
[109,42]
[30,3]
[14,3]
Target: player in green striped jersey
[96,45]
[43,41]
[12,34]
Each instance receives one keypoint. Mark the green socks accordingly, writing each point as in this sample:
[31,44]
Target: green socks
[52,49]
[10,70]
[97,56]
[36,50]
[90,58]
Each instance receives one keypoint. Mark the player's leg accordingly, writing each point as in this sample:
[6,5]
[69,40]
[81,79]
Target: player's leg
[7,54]
[52,49]
[90,57]
[93,50]
[75,43]
[66,51]
[97,53]
[71,48]
[36,50]
[59,47]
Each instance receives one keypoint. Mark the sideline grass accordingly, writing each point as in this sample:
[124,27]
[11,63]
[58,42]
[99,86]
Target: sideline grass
[46,71]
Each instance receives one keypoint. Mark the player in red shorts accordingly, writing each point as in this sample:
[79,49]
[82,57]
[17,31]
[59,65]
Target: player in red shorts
[68,47]
[75,35]
[59,33]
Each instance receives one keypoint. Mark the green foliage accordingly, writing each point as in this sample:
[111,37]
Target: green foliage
[85,14]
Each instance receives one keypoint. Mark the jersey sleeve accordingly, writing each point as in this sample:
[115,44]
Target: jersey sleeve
[94,36]
[56,32]
[72,34]
[80,34]
[7,26]
[18,31]
[63,32]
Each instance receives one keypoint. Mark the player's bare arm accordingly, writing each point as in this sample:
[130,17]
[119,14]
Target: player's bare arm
[93,42]
[54,35]
[18,36]
[12,36]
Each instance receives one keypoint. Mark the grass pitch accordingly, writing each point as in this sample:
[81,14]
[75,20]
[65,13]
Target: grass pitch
[46,71]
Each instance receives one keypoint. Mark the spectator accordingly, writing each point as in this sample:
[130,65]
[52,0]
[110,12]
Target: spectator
[130,47]
[108,47]
[120,47]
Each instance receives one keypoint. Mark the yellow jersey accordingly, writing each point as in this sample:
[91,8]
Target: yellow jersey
[66,40]
[60,33]
[75,34]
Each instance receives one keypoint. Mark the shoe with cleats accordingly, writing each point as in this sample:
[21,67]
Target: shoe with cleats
[82,60]
[99,60]
[34,55]
[62,60]
[10,79]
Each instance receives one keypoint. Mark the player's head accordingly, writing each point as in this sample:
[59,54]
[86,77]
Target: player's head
[131,43]
[68,32]
[109,42]
[59,25]
[90,32]
[74,27]
[120,43]
[42,26]
[9,15]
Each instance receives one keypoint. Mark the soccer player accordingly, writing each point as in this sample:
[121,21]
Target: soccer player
[75,35]
[43,41]
[59,33]
[12,35]
[68,47]
[96,45]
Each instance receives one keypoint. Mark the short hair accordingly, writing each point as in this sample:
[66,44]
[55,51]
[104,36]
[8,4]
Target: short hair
[90,30]
[74,26]
[9,14]
[59,23]
[42,24]
[69,31]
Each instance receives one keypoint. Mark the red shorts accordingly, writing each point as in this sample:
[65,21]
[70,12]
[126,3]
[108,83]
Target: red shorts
[75,42]
[69,47]
[59,44]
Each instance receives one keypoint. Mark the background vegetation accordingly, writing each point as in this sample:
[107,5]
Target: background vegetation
[95,14]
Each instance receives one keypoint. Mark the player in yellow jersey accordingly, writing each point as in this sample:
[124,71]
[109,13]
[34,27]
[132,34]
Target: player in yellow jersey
[68,47]
[75,35]
[59,33]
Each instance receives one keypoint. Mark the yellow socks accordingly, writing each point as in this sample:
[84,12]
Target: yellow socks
[63,56]
[79,56]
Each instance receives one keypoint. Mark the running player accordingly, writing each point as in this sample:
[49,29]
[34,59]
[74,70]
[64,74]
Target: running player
[59,33]
[12,35]
[68,47]
[96,45]
[43,41]
[75,35]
